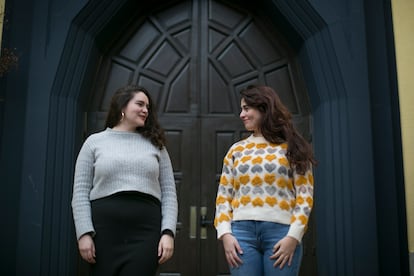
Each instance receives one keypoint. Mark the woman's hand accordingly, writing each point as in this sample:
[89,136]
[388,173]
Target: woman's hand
[87,248]
[231,250]
[283,251]
[165,248]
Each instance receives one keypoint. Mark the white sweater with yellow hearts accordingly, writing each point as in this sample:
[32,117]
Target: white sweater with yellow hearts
[257,183]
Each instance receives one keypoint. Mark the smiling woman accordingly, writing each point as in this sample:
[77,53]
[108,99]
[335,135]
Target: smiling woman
[265,193]
[123,183]
[250,117]
[134,114]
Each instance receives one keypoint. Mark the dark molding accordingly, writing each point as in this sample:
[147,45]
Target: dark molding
[387,142]
[13,96]
[74,74]
[301,17]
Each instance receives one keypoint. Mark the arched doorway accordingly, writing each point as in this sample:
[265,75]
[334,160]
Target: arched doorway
[194,57]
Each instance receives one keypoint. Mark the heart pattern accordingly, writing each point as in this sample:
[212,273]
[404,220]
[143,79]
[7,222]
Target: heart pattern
[248,152]
[258,190]
[226,170]
[222,189]
[270,167]
[258,176]
[282,194]
[271,150]
[302,190]
[237,154]
[282,170]
[243,168]
[245,190]
[271,190]
[257,169]
[259,151]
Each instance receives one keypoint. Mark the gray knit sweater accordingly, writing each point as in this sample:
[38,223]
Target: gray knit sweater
[113,161]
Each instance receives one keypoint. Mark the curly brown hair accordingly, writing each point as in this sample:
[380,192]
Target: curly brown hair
[277,127]
[151,130]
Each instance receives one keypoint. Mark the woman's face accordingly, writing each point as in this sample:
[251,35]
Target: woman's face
[136,111]
[251,117]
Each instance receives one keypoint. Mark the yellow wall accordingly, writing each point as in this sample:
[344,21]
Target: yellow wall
[403,11]
[1,17]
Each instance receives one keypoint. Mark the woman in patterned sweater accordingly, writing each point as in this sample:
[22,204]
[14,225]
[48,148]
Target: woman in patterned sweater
[265,194]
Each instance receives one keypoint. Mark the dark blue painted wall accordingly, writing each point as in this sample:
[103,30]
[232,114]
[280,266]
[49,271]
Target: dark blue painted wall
[12,131]
[387,146]
[38,30]
[346,50]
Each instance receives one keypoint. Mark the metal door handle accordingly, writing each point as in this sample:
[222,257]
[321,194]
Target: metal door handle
[204,222]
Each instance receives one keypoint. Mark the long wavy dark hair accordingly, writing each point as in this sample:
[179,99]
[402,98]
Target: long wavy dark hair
[151,130]
[277,127]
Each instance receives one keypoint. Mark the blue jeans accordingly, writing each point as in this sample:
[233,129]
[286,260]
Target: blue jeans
[256,239]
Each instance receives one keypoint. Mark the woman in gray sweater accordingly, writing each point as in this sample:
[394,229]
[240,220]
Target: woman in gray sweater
[124,197]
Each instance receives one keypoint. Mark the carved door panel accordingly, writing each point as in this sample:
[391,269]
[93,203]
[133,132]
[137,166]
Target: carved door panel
[194,57]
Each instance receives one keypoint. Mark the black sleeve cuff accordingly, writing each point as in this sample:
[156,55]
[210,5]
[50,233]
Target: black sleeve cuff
[167,232]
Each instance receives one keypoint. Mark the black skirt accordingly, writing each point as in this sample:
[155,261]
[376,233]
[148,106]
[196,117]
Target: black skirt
[127,226]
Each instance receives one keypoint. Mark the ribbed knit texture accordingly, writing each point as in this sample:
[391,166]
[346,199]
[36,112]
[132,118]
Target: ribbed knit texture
[113,161]
[257,183]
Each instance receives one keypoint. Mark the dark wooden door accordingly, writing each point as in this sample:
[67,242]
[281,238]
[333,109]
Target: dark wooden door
[194,57]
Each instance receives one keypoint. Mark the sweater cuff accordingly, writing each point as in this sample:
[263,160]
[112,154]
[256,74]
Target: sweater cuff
[296,232]
[223,228]
[167,232]
[85,230]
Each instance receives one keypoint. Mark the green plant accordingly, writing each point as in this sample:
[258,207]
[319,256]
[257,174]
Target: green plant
[8,57]
[8,60]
